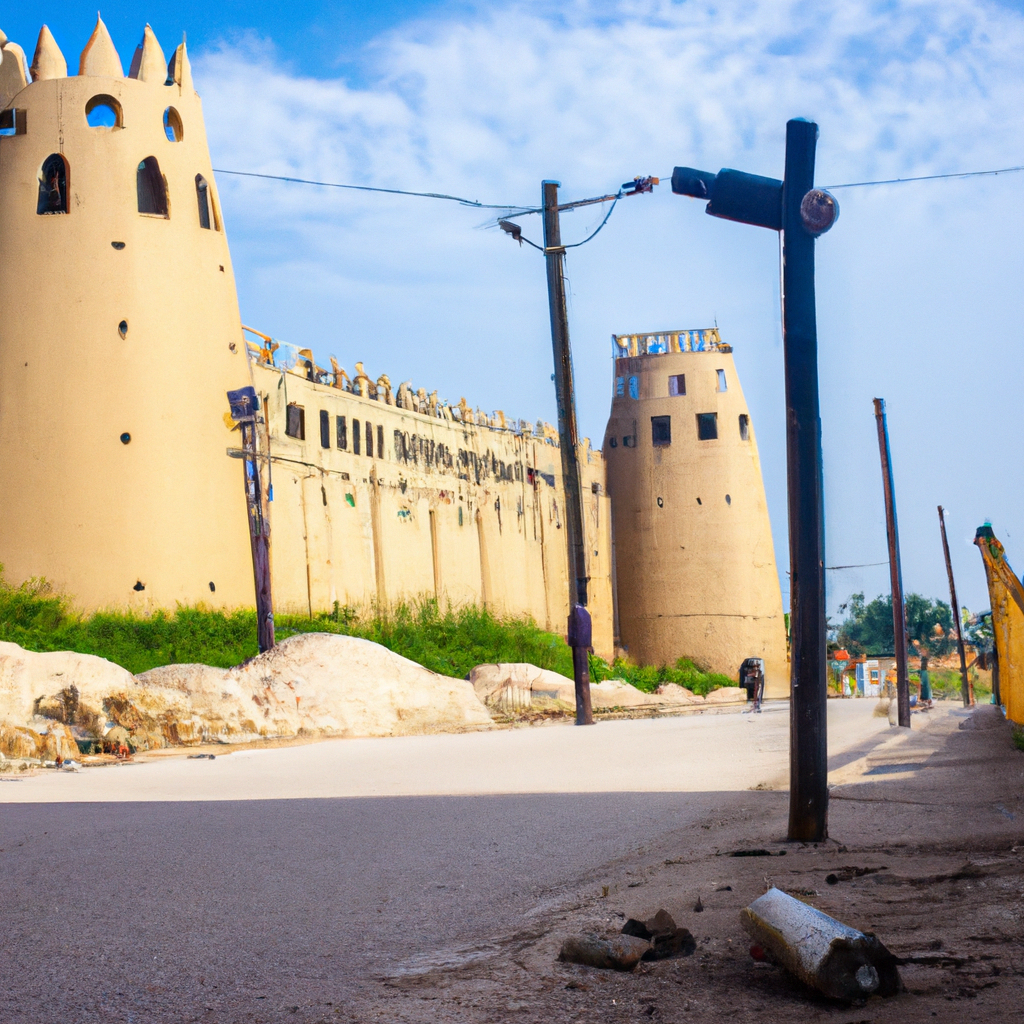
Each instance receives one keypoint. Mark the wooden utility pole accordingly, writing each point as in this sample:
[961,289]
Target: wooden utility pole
[802,213]
[965,686]
[579,628]
[244,406]
[899,614]
[808,715]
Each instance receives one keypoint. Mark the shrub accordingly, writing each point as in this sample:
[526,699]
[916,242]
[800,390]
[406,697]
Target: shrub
[450,641]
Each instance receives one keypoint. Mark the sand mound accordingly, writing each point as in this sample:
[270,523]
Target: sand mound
[308,685]
[515,685]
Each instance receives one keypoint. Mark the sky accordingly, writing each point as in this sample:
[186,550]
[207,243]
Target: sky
[919,285]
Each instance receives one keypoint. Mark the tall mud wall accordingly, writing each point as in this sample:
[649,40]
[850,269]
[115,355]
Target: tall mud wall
[426,505]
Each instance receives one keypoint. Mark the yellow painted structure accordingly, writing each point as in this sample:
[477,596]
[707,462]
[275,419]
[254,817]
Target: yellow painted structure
[119,335]
[1007,597]
[694,560]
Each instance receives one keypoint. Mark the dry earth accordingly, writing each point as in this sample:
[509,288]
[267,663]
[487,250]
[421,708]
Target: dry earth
[926,850]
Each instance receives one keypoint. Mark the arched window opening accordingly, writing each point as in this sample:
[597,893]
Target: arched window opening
[172,125]
[103,112]
[203,197]
[151,188]
[53,185]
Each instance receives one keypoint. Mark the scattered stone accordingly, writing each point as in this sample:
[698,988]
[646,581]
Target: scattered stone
[614,952]
[665,938]
[847,874]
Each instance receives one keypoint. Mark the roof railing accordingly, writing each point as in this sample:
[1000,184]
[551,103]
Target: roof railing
[656,343]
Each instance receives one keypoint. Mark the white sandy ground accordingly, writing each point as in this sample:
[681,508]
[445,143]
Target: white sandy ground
[726,752]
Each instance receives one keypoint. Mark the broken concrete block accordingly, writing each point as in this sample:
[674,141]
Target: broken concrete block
[666,939]
[837,960]
[612,952]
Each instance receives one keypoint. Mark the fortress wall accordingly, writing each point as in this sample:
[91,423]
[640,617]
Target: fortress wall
[695,561]
[462,512]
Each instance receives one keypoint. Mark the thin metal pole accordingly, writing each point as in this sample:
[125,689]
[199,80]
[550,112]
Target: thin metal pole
[808,743]
[579,631]
[892,533]
[965,686]
[258,539]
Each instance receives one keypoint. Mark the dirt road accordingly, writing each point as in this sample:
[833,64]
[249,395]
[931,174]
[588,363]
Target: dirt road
[433,878]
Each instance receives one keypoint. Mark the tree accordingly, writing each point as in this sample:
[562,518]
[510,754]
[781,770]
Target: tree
[867,626]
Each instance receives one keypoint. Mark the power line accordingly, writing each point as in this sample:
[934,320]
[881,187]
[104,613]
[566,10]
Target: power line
[513,210]
[370,188]
[927,177]
[862,565]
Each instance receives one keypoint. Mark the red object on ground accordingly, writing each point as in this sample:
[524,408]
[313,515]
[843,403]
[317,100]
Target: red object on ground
[757,952]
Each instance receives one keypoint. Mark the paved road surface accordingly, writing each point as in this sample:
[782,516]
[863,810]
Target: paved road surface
[239,888]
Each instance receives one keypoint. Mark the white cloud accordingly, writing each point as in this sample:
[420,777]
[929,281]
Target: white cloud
[919,285]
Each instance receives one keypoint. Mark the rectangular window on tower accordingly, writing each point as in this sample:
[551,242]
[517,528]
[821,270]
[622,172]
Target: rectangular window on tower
[295,422]
[721,380]
[369,440]
[380,442]
[707,426]
[744,427]
[677,384]
[634,387]
[620,387]
[342,427]
[325,429]
[355,437]
[661,431]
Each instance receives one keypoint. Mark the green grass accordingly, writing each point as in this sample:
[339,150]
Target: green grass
[1018,738]
[450,641]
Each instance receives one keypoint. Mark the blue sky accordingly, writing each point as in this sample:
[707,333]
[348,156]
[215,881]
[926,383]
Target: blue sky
[920,300]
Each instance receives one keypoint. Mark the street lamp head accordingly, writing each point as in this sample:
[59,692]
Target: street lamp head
[244,404]
[513,229]
[818,211]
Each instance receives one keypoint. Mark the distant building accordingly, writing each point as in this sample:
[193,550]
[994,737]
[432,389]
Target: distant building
[695,571]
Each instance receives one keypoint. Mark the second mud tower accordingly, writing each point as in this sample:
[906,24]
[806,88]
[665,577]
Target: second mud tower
[694,560]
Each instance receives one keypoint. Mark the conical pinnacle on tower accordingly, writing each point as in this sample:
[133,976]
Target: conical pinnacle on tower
[149,63]
[180,70]
[12,71]
[99,58]
[48,62]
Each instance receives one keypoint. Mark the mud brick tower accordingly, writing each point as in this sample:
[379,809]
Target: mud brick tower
[694,560]
[119,334]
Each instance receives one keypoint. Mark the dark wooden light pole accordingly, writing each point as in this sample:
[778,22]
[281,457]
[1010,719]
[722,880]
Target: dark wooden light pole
[802,213]
[965,686]
[244,406]
[579,631]
[892,533]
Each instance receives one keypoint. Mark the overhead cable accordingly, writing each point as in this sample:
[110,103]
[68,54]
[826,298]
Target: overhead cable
[927,177]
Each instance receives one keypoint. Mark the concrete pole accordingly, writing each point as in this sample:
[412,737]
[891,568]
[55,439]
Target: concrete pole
[965,686]
[899,614]
[808,742]
[579,626]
